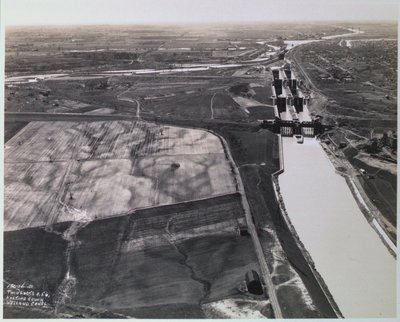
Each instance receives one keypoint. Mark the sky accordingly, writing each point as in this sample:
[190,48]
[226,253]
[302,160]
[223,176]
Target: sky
[66,12]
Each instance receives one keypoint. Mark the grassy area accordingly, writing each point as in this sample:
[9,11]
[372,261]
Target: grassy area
[12,128]
[226,108]
[262,112]
[35,256]
[381,188]
[263,94]
[155,263]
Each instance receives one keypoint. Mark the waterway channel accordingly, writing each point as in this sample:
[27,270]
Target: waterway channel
[356,266]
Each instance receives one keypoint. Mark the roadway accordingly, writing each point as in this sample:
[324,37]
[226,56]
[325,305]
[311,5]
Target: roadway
[265,273]
[211,106]
[303,73]
[131,100]
[79,117]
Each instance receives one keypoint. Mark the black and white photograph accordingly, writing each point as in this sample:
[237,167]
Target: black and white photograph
[199,159]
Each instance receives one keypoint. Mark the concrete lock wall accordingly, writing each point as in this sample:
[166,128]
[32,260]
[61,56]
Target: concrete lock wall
[273,91]
[281,104]
[299,104]
[293,84]
[278,86]
[288,73]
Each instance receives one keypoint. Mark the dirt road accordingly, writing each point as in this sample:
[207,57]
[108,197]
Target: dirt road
[122,97]
[265,273]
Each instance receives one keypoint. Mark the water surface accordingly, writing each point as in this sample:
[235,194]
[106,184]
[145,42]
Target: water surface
[357,268]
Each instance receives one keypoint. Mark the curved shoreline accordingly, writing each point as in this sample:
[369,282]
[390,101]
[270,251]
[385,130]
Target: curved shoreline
[300,245]
[364,204]
[346,251]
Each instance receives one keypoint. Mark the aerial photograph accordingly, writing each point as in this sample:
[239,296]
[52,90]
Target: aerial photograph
[199,159]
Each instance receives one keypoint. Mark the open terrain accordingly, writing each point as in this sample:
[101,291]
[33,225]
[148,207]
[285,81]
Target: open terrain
[154,262]
[121,198]
[174,243]
[106,169]
[71,193]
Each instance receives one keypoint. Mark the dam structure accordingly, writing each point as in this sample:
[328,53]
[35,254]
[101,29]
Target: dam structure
[290,105]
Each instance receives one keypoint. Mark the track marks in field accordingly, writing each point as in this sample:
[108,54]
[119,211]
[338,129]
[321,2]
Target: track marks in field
[107,169]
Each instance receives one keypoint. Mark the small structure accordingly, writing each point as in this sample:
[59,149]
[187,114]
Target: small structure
[253,283]
[175,165]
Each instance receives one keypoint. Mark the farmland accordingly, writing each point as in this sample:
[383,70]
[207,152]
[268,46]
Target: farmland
[160,254]
[149,209]
[94,48]
[191,230]
[131,152]
[107,169]
[97,193]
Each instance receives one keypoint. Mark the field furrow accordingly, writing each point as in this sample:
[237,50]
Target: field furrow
[117,166]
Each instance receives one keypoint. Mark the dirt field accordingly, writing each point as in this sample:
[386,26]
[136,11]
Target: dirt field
[263,93]
[155,263]
[102,169]
[224,107]
[262,112]
[12,128]
[382,187]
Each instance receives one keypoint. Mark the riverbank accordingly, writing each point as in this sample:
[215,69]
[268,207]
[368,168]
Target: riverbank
[257,155]
[290,227]
[370,212]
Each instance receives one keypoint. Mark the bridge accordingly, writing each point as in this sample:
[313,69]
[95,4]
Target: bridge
[293,127]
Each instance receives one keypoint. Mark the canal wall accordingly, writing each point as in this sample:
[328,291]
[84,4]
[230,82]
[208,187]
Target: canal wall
[300,245]
[353,262]
[364,203]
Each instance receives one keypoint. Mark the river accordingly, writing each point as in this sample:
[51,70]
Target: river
[359,271]
[290,44]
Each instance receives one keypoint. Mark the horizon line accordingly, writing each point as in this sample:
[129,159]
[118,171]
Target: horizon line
[205,23]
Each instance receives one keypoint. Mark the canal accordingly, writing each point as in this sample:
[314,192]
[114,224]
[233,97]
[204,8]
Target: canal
[357,268]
